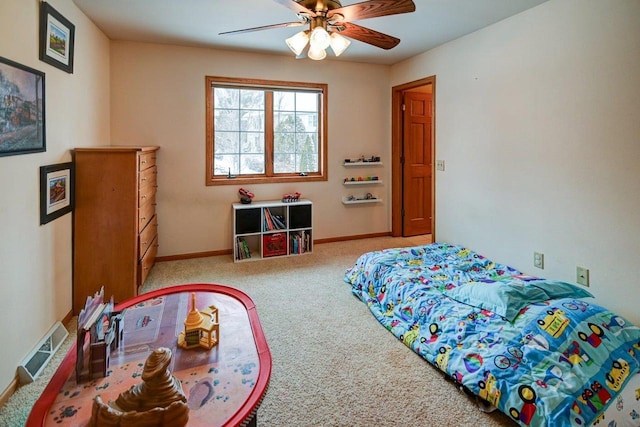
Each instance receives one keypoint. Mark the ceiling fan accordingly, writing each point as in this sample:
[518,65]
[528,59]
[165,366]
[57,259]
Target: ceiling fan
[329,22]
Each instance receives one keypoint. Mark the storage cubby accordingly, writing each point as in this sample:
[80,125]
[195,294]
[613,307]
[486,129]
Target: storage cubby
[271,229]
[300,242]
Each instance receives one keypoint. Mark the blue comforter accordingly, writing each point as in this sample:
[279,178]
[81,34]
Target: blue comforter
[558,361]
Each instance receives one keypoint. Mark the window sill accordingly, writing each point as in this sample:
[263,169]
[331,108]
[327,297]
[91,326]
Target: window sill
[264,180]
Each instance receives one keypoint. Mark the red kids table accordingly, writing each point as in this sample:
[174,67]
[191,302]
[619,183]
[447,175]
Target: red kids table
[224,386]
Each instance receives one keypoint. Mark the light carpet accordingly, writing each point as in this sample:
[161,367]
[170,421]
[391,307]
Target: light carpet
[333,363]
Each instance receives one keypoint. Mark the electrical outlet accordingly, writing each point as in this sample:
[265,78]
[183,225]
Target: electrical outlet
[440,165]
[538,260]
[582,276]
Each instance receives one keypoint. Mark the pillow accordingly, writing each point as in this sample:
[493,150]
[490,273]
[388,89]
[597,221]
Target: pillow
[504,299]
[557,290]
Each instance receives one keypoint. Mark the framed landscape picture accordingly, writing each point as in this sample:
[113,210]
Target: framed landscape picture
[56,38]
[56,191]
[22,124]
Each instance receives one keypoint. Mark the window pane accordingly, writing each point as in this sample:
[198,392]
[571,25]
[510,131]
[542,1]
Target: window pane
[308,121]
[252,99]
[284,142]
[252,120]
[226,119]
[285,122]
[227,143]
[284,101]
[308,162]
[252,164]
[252,143]
[284,163]
[225,164]
[226,97]
[306,101]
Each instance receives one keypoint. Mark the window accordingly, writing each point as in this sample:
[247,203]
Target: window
[265,131]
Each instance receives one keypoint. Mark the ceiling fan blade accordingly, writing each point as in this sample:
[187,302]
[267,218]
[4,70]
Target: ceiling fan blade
[373,9]
[368,35]
[265,27]
[296,7]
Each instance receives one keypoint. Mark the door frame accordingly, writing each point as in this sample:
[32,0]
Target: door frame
[396,153]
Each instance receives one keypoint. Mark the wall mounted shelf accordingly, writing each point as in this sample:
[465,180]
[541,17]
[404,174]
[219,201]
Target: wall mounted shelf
[346,201]
[376,181]
[349,164]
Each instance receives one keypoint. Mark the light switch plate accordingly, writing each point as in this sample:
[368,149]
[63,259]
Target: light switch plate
[440,165]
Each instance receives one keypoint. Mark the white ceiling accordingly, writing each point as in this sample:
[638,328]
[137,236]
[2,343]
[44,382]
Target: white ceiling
[198,22]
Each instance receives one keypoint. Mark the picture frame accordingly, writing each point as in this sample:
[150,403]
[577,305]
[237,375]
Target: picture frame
[22,112]
[56,191]
[57,35]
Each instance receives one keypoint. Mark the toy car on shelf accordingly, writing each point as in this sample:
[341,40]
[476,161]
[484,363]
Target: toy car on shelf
[290,198]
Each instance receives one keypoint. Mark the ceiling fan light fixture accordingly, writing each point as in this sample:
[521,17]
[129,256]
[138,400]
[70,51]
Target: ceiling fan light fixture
[298,42]
[316,54]
[319,38]
[338,43]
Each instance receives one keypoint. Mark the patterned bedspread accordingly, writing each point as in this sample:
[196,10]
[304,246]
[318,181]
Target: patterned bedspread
[559,361]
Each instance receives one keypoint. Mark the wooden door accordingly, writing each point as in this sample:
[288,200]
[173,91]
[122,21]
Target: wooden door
[416,164]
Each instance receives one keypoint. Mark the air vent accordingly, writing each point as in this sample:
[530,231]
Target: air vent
[34,363]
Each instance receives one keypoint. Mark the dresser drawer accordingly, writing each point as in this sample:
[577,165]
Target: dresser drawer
[146,160]
[146,195]
[147,236]
[149,177]
[144,267]
[145,213]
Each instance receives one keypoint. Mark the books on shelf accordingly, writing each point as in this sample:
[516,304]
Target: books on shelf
[243,251]
[273,222]
[300,242]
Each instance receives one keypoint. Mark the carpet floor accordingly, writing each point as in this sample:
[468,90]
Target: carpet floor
[333,363]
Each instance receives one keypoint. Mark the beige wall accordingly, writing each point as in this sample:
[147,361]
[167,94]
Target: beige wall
[35,260]
[157,94]
[538,121]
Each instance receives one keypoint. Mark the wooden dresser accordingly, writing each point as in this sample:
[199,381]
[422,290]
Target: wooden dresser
[115,227]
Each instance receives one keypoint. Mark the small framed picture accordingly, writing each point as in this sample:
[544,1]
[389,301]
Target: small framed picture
[22,128]
[56,38]
[56,191]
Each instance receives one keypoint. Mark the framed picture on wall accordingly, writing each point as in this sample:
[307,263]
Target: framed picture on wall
[56,38]
[22,122]
[56,191]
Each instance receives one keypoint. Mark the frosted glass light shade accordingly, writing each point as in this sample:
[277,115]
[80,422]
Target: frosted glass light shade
[298,42]
[319,38]
[338,43]
[316,54]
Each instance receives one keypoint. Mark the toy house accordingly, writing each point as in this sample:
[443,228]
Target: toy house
[201,328]
[100,331]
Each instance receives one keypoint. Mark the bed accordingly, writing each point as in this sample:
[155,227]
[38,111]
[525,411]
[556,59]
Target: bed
[541,351]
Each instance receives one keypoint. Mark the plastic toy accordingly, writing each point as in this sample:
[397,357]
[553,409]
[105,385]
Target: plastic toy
[158,400]
[290,198]
[245,196]
[201,328]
